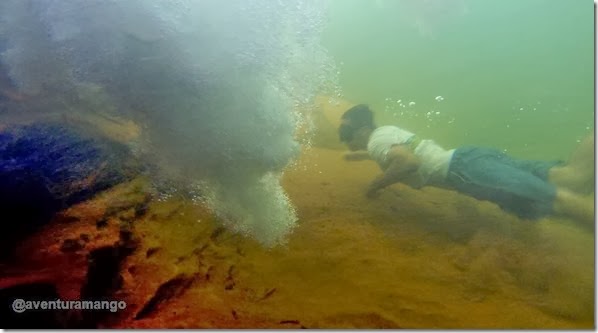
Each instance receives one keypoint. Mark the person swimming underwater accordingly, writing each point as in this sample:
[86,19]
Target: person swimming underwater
[528,189]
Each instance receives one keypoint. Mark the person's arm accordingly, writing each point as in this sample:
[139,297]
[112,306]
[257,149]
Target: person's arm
[402,168]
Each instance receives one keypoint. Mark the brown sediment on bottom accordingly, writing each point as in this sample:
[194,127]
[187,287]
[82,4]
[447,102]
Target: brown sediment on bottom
[408,259]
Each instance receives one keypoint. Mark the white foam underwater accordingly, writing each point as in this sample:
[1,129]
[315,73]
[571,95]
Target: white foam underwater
[216,85]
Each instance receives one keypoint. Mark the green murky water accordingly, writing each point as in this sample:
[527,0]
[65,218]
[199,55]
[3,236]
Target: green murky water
[512,74]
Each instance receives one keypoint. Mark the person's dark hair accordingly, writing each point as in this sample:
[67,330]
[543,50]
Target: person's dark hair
[355,118]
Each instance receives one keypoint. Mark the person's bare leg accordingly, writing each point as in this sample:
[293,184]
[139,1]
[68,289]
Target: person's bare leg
[578,174]
[580,208]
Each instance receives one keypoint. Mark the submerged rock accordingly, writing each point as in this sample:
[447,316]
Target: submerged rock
[47,167]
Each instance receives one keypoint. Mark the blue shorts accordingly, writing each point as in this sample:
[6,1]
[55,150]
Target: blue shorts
[518,186]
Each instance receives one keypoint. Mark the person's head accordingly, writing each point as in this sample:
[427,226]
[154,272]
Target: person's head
[357,124]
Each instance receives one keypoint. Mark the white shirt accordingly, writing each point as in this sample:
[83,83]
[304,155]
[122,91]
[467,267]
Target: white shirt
[435,160]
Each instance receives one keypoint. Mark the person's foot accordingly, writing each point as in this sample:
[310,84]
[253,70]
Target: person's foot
[573,179]
[578,175]
[580,208]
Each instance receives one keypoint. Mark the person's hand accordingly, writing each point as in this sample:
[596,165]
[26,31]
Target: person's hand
[349,156]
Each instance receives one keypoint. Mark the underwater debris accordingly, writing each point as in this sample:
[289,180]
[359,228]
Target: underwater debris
[127,243]
[219,231]
[181,259]
[174,287]
[103,275]
[120,207]
[209,273]
[151,251]
[267,294]
[240,251]
[229,283]
[142,207]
